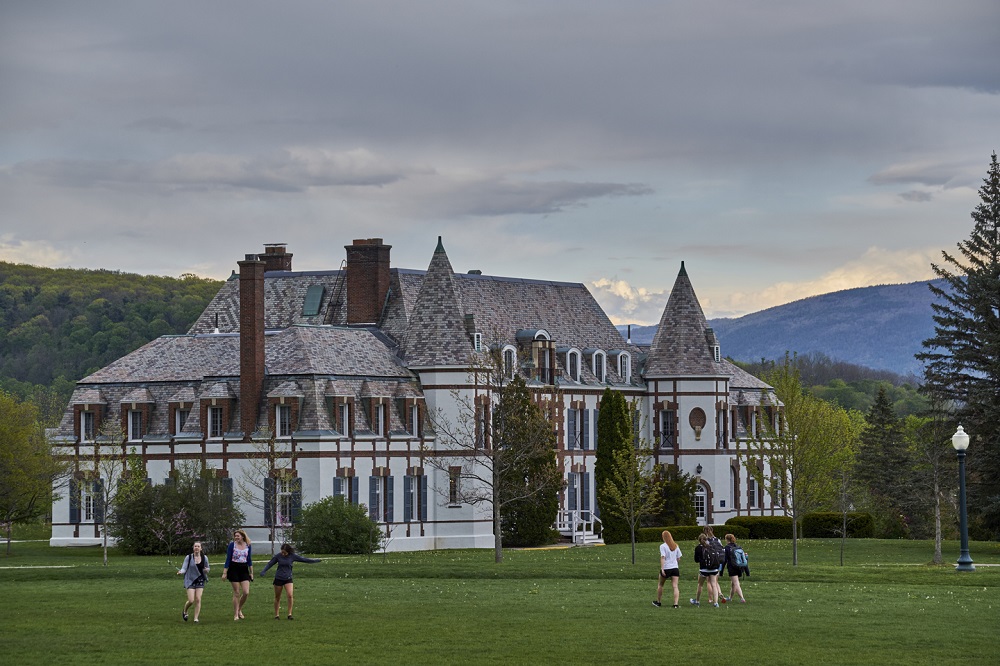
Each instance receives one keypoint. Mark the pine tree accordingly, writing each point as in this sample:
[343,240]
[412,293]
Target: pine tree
[614,433]
[883,467]
[962,359]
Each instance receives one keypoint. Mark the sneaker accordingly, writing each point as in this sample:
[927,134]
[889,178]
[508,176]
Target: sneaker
[716,604]
[743,601]
[290,617]
[694,602]
[196,620]
[676,606]
[184,615]
[657,604]
[276,617]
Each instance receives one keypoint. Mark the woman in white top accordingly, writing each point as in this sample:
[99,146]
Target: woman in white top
[670,557]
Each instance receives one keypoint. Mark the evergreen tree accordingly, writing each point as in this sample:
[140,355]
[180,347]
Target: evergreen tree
[528,476]
[883,467]
[677,489]
[614,434]
[962,359]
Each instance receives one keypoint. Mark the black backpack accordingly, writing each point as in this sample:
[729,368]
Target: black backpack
[712,554]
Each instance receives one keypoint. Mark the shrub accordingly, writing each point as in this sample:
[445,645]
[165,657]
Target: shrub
[828,524]
[764,527]
[332,525]
[688,532]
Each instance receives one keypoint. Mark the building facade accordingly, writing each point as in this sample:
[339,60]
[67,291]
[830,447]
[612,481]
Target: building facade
[350,369]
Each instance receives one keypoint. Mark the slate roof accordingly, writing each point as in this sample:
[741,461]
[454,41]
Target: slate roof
[435,332]
[681,345]
[298,350]
[501,306]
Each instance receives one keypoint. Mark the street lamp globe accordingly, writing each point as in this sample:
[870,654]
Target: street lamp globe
[960,440]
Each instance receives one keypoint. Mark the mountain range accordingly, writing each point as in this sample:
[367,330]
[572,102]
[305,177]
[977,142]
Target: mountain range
[879,327]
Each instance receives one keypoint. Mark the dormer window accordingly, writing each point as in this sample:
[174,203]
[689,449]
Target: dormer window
[717,353]
[283,420]
[572,360]
[477,341]
[598,363]
[623,364]
[135,430]
[509,361]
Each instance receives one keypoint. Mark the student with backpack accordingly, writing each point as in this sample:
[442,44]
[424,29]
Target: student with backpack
[737,563]
[709,560]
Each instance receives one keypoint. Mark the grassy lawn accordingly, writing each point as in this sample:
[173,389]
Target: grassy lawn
[583,605]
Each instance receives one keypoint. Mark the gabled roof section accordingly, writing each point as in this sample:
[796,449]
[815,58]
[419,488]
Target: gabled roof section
[680,346]
[435,333]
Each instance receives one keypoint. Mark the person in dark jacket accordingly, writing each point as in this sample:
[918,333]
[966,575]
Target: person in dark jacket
[283,576]
[195,572]
[735,570]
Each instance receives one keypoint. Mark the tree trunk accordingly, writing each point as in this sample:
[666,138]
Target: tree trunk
[9,530]
[497,536]
[938,559]
[843,535]
[795,539]
[632,530]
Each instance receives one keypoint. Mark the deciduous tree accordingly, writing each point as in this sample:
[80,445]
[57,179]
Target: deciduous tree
[28,472]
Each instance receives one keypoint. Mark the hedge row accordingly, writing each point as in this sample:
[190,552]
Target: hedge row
[825,525]
[819,525]
[687,532]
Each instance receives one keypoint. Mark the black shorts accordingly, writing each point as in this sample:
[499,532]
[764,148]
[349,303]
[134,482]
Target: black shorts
[238,572]
[198,583]
[281,582]
[734,570]
[670,573]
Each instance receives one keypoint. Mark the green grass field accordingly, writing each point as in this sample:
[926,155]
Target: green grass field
[581,605]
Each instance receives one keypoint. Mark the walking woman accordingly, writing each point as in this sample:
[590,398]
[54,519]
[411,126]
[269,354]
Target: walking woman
[195,572]
[238,570]
[283,576]
[670,556]
[736,570]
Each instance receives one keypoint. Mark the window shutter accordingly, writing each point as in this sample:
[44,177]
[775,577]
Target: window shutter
[99,501]
[338,486]
[170,482]
[268,501]
[597,417]
[74,501]
[296,499]
[355,483]
[571,492]
[570,428]
[585,490]
[227,491]
[586,430]
[407,498]
[388,498]
[423,497]
[373,497]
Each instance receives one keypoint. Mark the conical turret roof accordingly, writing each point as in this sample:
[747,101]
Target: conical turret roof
[683,341]
[435,332]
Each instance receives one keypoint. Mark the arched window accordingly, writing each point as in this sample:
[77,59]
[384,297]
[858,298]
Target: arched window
[700,495]
[600,360]
[509,361]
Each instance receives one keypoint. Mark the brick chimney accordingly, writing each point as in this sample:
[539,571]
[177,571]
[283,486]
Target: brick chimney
[367,280]
[275,257]
[251,340]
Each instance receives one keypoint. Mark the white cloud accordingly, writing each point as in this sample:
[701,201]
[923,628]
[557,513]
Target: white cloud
[876,266]
[38,253]
[626,304]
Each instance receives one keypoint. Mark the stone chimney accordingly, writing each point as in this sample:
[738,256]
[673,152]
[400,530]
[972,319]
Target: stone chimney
[251,340]
[367,280]
[275,257]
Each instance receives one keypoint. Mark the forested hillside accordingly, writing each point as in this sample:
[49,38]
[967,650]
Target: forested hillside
[58,325]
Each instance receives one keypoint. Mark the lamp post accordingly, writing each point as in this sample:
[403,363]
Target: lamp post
[960,440]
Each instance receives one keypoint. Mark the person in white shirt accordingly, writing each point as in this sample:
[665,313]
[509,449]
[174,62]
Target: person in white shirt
[670,556]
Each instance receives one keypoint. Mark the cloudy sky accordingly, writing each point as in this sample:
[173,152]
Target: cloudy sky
[780,148]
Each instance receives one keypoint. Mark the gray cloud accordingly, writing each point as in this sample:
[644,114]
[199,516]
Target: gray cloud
[916,196]
[281,171]
[499,197]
